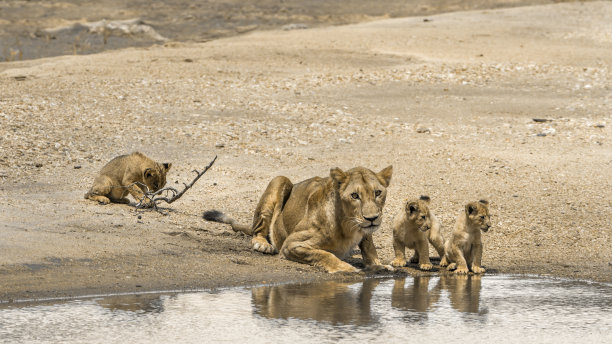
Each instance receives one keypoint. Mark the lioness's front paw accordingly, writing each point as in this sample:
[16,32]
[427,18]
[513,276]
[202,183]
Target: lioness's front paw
[462,270]
[451,266]
[478,269]
[344,267]
[379,268]
[398,262]
[425,267]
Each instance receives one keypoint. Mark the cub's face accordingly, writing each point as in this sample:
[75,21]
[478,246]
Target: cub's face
[155,177]
[362,196]
[478,215]
[418,212]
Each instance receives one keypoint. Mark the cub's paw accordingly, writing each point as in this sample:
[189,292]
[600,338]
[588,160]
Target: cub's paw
[444,262]
[398,262]
[262,245]
[451,266]
[462,270]
[425,267]
[478,269]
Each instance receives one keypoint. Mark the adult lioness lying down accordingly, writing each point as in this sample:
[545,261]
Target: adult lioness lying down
[320,220]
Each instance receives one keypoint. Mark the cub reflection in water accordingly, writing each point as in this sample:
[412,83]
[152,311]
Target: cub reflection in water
[464,292]
[417,297]
[334,302]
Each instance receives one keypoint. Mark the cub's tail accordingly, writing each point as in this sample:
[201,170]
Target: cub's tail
[217,216]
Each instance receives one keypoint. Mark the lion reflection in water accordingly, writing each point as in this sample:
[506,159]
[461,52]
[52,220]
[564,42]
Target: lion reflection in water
[333,302]
[463,292]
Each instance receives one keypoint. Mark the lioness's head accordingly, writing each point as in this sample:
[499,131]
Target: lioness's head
[418,212]
[155,177]
[478,215]
[362,196]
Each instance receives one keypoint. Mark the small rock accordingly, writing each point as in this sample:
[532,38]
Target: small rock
[427,20]
[38,164]
[600,125]
[139,217]
[76,167]
[541,120]
[423,130]
[295,27]
[19,77]
[220,145]
[187,60]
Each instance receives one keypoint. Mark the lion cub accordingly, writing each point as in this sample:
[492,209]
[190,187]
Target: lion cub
[134,174]
[413,228]
[464,249]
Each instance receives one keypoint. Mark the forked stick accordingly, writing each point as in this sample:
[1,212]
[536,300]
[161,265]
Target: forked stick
[169,194]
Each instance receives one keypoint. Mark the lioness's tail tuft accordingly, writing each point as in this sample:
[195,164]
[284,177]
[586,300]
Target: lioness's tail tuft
[217,216]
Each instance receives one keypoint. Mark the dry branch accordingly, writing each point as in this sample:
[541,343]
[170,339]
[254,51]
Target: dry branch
[169,194]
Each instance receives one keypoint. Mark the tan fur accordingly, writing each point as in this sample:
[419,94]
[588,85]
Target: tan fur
[414,227]
[134,174]
[320,220]
[464,249]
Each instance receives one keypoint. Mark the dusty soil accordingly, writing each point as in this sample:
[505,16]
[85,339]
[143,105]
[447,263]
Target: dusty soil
[448,101]
[42,28]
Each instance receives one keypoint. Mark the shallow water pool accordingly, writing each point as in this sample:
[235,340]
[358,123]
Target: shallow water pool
[500,309]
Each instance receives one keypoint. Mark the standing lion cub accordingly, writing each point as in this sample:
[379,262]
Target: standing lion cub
[134,174]
[413,228]
[464,249]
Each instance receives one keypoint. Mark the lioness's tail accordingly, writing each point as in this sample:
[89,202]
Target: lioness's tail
[217,216]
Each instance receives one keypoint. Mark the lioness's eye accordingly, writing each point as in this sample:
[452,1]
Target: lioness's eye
[377,193]
[355,195]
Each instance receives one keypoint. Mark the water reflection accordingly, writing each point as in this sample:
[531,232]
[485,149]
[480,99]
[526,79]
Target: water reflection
[439,308]
[140,303]
[334,302]
[416,298]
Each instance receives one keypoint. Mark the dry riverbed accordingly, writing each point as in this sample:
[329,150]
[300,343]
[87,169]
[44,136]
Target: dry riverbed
[449,101]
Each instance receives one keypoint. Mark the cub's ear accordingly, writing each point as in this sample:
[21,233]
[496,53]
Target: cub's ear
[337,175]
[412,207]
[166,166]
[471,208]
[484,201]
[425,198]
[385,175]
[148,173]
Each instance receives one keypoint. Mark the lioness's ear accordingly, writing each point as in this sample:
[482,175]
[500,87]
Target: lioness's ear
[167,166]
[337,175]
[470,208]
[385,175]
[148,173]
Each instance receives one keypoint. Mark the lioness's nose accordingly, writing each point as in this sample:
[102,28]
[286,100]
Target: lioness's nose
[371,219]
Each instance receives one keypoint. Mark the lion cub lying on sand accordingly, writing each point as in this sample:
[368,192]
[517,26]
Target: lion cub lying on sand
[412,228]
[320,220]
[134,174]
[464,249]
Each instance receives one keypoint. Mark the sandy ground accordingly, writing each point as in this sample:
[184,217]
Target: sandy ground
[448,101]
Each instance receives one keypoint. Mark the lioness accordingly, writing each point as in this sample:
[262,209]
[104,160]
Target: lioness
[413,227]
[320,220]
[134,174]
[464,248]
